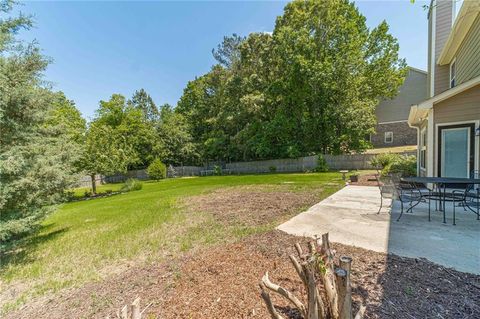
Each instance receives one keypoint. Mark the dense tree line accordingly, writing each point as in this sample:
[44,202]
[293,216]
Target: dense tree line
[309,87]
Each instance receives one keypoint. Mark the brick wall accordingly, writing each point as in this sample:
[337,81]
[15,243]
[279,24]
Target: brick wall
[402,135]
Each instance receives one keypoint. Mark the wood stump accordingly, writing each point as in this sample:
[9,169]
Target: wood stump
[316,266]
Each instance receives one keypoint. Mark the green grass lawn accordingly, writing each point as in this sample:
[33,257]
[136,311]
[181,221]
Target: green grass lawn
[101,189]
[85,240]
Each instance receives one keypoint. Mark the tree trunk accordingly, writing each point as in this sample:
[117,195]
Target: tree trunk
[94,184]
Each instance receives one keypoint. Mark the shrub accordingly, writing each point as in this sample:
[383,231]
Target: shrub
[404,165]
[396,164]
[132,184]
[157,170]
[217,170]
[383,160]
[272,169]
[322,165]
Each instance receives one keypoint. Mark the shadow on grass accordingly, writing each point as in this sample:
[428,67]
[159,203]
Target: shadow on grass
[21,252]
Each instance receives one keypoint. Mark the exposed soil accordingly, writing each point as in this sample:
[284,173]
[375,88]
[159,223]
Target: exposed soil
[221,281]
[252,205]
[366,180]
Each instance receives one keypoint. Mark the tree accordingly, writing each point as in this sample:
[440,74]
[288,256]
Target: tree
[67,118]
[106,152]
[129,122]
[310,87]
[141,100]
[176,145]
[228,53]
[35,163]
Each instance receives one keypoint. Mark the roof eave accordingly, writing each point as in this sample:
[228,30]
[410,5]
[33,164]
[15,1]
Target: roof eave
[467,15]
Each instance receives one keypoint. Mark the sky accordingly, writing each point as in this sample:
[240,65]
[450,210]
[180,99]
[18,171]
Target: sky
[101,48]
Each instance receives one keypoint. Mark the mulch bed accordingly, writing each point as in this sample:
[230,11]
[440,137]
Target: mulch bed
[222,282]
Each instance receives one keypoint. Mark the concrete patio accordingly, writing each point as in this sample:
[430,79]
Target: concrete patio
[350,216]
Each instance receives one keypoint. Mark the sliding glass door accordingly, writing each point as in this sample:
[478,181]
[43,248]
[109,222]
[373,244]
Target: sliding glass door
[456,150]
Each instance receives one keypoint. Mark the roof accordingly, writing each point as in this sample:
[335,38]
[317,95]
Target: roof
[419,112]
[467,15]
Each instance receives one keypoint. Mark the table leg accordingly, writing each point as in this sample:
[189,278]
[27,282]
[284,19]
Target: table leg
[444,200]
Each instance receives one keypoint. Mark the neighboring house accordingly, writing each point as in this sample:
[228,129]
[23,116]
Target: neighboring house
[448,122]
[392,115]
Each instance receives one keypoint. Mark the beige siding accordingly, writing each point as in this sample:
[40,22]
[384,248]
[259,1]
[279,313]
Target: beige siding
[413,91]
[462,107]
[443,25]
[468,55]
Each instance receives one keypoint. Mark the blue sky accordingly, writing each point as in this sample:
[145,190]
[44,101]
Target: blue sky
[101,48]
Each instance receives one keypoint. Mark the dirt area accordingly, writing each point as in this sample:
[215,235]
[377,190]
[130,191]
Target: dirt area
[221,281]
[366,180]
[252,205]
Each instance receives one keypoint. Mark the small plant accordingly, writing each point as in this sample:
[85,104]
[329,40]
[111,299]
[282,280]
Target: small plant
[217,170]
[272,169]
[87,193]
[132,184]
[157,170]
[322,165]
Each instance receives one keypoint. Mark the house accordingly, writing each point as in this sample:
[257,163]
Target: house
[392,114]
[448,122]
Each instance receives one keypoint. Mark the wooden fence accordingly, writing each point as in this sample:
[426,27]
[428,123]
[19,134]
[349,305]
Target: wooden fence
[291,165]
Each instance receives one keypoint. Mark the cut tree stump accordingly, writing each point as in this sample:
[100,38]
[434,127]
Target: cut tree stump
[134,312]
[334,301]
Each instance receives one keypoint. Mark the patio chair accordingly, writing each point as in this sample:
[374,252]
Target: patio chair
[468,198]
[406,193]
[392,187]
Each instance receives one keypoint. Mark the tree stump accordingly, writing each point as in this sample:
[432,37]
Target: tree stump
[334,301]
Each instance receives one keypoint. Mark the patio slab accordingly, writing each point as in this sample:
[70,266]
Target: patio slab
[350,216]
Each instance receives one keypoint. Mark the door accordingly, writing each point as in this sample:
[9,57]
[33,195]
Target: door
[456,150]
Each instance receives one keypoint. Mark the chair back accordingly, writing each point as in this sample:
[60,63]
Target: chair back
[387,186]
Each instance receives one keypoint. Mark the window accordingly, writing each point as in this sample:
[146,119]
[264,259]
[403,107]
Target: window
[388,137]
[452,73]
[423,149]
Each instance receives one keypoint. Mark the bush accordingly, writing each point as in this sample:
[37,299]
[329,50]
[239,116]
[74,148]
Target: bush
[132,184]
[383,160]
[272,169]
[322,165]
[217,170]
[157,170]
[396,164]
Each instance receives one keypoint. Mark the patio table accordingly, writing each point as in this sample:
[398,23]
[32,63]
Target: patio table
[442,183]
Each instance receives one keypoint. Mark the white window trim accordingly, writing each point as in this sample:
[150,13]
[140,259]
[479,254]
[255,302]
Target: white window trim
[423,147]
[385,138]
[450,73]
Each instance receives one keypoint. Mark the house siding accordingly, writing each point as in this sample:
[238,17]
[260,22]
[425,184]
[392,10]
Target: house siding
[413,91]
[462,107]
[443,26]
[468,55]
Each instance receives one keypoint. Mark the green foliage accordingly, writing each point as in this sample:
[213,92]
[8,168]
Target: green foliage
[405,166]
[382,160]
[392,163]
[272,169]
[322,165]
[131,184]
[300,90]
[157,170]
[142,101]
[217,170]
[36,156]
